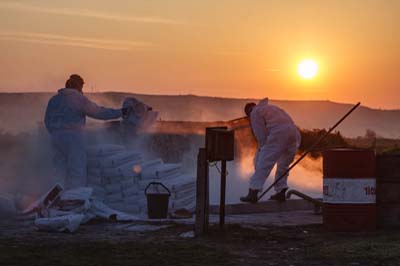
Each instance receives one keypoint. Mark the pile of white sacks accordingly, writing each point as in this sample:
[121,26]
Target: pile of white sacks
[119,178]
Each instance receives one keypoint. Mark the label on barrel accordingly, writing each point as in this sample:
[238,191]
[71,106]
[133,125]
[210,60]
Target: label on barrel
[350,191]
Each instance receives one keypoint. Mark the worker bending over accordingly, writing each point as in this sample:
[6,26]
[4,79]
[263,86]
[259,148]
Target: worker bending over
[65,120]
[278,140]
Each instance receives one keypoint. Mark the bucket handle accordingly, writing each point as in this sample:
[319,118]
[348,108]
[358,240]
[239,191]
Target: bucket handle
[157,183]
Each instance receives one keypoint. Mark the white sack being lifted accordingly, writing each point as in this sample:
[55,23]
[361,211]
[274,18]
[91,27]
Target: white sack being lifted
[141,117]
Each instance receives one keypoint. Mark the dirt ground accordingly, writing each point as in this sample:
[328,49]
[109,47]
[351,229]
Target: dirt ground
[113,244]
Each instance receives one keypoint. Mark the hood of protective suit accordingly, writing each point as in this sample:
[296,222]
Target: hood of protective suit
[263,102]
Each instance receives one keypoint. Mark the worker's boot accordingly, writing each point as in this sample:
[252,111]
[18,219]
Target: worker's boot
[252,197]
[279,196]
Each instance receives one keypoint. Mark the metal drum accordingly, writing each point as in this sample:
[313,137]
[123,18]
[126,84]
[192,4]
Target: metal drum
[388,190]
[349,200]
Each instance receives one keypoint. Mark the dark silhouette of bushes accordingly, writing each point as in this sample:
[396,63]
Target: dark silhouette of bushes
[333,140]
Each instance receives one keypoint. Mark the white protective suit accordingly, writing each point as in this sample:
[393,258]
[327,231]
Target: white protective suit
[278,140]
[65,119]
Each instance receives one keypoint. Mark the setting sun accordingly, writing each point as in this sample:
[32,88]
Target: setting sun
[307,69]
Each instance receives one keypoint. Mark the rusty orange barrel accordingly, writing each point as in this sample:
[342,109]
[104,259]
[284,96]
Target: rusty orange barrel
[349,200]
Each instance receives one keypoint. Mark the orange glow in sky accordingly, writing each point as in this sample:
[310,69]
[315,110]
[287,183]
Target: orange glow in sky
[227,48]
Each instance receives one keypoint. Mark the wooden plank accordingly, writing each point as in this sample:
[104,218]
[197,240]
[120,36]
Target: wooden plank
[265,206]
[202,199]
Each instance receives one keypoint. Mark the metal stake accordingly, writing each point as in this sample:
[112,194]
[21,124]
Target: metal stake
[222,199]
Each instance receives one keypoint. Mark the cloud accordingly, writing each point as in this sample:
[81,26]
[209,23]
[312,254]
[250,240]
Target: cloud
[55,39]
[85,13]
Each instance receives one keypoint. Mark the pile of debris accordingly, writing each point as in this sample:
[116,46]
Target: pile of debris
[115,191]
[65,210]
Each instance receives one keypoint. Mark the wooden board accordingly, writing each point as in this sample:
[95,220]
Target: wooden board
[202,191]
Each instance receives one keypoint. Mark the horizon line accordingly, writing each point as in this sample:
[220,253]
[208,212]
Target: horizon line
[209,96]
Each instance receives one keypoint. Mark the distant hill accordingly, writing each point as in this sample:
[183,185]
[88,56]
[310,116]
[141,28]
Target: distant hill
[20,112]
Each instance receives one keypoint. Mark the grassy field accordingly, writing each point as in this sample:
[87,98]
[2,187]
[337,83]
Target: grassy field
[236,245]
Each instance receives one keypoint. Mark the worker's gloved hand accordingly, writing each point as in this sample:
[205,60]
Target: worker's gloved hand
[125,112]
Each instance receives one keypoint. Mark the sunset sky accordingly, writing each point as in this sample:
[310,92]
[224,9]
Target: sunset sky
[231,48]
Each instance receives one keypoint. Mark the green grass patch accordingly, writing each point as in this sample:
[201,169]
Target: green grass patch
[372,250]
[105,253]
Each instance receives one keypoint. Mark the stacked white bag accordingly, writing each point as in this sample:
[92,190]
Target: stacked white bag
[111,176]
[119,178]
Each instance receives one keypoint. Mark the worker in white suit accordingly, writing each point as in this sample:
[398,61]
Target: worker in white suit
[278,139]
[65,120]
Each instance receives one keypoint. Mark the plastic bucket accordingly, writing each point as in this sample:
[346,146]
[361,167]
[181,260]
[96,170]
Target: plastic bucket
[157,202]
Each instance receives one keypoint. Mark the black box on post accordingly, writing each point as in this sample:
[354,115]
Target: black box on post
[220,144]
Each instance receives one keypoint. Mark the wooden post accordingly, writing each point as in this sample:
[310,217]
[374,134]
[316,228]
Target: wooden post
[202,198]
[222,194]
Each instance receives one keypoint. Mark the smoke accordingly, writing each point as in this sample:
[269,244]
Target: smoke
[305,177]
[27,169]
[24,112]
[25,166]
[171,139]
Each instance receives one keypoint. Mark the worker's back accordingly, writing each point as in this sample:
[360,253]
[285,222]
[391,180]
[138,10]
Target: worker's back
[64,111]
[272,115]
